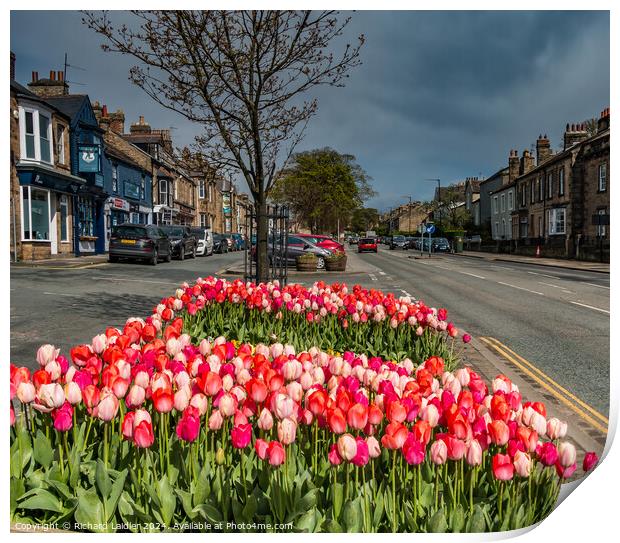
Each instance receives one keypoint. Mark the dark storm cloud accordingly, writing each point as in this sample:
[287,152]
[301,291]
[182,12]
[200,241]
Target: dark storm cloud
[439,94]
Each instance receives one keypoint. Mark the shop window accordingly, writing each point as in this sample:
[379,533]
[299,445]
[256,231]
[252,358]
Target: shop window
[557,221]
[86,216]
[35,214]
[64,218]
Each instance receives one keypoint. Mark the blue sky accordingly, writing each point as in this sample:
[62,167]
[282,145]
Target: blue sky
[439,94]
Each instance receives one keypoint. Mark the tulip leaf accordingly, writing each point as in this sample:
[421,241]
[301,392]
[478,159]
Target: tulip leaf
[427,497]
[352,516]
[202,490]
[43,452]
[476,522]
[89,510]
[249,511]
[377,505]
[209,513]
[17,490]
[61,488]
[186,502]
[307,521]
[167,500]
[24,446]
[457,519]
[115,492]
[104,484]
[43,500]
[308,501]
[438,524]
[332,526]
[337,498]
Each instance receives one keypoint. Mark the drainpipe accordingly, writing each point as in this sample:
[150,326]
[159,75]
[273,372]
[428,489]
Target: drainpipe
[14,231]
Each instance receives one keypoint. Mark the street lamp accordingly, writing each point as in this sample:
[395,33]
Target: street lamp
[438,194]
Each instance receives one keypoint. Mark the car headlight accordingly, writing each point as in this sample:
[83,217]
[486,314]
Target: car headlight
[176,241]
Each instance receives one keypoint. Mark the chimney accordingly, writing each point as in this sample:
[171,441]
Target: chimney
[574,134]
[46,88]
[117,121]
[97,110]
[543,149]
[603,122]
[527,163]
[12,66]
[513,165]
[104,118]
[141,127]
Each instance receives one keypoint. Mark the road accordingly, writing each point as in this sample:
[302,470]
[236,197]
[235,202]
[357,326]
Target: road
[556,319]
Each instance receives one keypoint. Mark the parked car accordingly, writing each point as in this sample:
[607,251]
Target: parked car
[231,242]
[220,244]
[205,241]
[239,242]
[139,241]
[296,246]
[325,242]
[398,242]
[367,244]
[353,240]
[441,245]
[184,242]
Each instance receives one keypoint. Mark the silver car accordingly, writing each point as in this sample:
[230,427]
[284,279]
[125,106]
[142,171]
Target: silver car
[205,241]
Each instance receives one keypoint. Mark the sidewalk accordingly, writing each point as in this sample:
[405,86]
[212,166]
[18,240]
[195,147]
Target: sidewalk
[579,265]
[59,263]
[355,265]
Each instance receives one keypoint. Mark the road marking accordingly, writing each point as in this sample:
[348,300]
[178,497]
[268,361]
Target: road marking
[134,280]
[61,294]
[502,267]
[563,289]
[372,276]
[381,273]
[406,293]
[544,275]
[591,307]
[549,384]
[595,285]
[472,274]
[521,288]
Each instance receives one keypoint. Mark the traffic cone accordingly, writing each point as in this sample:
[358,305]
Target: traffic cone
[538,251]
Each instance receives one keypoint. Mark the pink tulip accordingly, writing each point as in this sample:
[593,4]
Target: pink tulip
[265,420]
[143,436]
[284,406]
[261,447]
[333,456]
[556,429]
[567,454]
[107,407]
[589,461]
[200,402]
[227,405]
[347,447]
[63,418]
[374,449]
[241,436]
[215,420]
[135,397]
[473,456]
[188,426]
[26,392]
[46,354]
[182,398]
[72,393]
[276,453]
[51,396]
[439,452]
[287,430]
[523,464]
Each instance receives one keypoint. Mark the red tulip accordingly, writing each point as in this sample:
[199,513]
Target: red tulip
[143,436]
[163,400]
[336,421]
[413,451]
[333,456]
[362,455]
[276,453]
[589,461]
[498,432]
[257,390]
[548,454]
[241,436]
[261,447]
[188,426]
[63,418]
[357,417]
[503,468]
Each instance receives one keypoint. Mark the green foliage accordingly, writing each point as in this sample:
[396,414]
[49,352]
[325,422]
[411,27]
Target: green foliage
[322,186]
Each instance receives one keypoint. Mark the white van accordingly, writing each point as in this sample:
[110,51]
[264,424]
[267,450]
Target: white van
[205,241]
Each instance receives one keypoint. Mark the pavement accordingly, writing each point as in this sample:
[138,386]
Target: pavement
[580,265]
[547,328]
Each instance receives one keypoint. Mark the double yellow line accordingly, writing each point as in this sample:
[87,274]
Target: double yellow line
[589,414]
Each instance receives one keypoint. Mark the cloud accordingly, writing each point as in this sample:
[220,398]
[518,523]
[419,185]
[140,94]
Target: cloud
[439,94]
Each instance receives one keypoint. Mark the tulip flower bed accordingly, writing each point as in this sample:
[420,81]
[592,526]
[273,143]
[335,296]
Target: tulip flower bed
[145,430]
[326,316]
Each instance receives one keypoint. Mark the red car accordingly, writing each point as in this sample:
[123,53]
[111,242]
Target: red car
[367,244]
[325,242]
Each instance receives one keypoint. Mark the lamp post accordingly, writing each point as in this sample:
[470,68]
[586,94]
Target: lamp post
[438,195]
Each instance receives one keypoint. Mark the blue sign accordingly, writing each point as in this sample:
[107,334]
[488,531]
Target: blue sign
[430,228]
[88,158]
[132,190]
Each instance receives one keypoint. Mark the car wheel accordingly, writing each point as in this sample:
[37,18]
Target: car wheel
[182,253]
[194,252]
[154,258]
[320,263]
[168,256]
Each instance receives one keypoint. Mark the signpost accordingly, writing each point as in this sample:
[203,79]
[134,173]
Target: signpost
[430,228]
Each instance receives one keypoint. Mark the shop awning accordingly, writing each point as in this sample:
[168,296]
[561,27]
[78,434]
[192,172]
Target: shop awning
[48,177]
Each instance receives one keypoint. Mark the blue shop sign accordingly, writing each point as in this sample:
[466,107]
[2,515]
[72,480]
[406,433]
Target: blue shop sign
[132,190]
[88,158]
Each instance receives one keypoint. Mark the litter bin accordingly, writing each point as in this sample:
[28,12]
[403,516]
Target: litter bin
[458,244]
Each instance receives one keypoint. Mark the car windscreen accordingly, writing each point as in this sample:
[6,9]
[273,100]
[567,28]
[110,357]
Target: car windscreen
[199,232]
[398,238]
[173,230]
[364,241]
[129,231]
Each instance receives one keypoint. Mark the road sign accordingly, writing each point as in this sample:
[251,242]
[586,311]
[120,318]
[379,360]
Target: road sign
[430,228]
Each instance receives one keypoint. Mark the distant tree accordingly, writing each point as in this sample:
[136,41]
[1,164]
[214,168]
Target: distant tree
[242,75]
[364,218]
[322,187]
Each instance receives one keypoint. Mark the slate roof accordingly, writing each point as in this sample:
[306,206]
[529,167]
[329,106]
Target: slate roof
[70,104]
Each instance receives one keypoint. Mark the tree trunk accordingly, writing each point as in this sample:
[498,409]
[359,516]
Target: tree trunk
[262,231]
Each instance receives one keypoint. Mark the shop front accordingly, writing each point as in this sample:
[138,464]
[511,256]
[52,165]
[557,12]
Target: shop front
[43,215]
[116,211]
[163,214]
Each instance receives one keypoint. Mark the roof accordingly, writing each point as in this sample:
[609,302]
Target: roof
[498,173]
[69,104]
[474,184]
[24,92]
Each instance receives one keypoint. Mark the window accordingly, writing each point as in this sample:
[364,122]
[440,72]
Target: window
[496,229]
[549,185]
[115,178]
[495,204]
[163,191]
[541,189]
[540,226]
[143,188]
[210,194]
[503,203]
[201,189]
[523,195]
[601,229]
[532,192]
[561,182]
[203,220]
[36,135]
[85,213]
[35,214]
[64,218]
[602,177]
[504,231]
[60,143]
[557,221]
[510,201]
[523,227]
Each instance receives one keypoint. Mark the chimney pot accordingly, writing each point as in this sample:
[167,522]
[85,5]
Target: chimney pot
[104,111]
[33,80]
[141,119]
[61,76]
[36,76]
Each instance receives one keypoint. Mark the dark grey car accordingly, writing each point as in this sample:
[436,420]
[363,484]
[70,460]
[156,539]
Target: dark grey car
[139,241]
[184,242]
[298,246]
[399,242]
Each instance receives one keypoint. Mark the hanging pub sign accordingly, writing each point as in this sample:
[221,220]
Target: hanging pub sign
[88,158]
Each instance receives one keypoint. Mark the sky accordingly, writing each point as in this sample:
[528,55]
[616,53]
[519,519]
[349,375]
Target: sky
[441,94]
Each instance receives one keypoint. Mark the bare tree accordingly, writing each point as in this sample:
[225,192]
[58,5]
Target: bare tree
[242,75]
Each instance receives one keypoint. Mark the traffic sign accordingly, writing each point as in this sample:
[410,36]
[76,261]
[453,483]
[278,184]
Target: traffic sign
[430,228]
